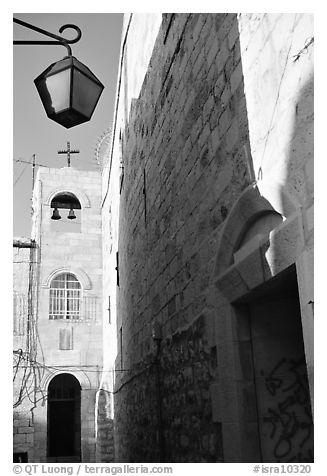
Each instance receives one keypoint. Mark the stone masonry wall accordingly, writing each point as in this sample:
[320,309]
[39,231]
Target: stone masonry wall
[184,165]
[105,427]
[21,260]
[192,144]
[277,60]
[23,421]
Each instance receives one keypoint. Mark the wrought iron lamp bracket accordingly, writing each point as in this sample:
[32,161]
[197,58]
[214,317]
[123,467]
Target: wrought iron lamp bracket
[61,41]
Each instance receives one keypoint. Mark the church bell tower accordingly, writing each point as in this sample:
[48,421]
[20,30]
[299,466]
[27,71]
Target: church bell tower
[67,230]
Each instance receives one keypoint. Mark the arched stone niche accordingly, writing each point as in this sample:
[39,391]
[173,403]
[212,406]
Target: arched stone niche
[257,230]
[81,196]
[257,201]
[262,239]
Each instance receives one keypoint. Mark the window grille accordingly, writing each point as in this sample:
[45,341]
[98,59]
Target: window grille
[65,297]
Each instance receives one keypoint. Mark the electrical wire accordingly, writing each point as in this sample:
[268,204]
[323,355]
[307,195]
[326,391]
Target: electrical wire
[31,163]
[32,370]
[31,376]
[84,368]
[20,175]
[51,369]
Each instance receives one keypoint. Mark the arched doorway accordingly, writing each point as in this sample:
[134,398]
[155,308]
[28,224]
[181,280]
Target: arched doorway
[64,419]
[265,331]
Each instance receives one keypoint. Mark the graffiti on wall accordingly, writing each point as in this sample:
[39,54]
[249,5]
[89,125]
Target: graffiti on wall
[289,420]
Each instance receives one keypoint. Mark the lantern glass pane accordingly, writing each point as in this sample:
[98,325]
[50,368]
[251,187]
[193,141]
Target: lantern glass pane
[85,94]
[55,94]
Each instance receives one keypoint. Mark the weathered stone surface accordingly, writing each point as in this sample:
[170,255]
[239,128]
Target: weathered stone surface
[37,349]
[219,107]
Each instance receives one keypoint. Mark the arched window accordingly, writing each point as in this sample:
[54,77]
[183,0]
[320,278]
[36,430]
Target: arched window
[65,297]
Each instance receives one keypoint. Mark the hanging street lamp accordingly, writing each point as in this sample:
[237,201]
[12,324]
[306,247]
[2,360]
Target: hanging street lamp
[68,89]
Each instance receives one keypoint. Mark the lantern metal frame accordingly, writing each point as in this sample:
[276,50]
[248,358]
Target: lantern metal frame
[61,41]
[71,115]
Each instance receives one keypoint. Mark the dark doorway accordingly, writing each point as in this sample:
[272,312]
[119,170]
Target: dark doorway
[64,419]
[280,381]
[20,458]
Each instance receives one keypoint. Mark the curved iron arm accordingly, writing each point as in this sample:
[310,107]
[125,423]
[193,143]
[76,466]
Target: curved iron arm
[60,40]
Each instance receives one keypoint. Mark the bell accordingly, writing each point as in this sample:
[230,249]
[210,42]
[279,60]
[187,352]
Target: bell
[71,215]
[55,215]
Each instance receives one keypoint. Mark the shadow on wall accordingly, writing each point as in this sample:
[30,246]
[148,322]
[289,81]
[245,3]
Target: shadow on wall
[256,272]
[288,418]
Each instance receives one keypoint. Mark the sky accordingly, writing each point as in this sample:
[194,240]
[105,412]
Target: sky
[33,131]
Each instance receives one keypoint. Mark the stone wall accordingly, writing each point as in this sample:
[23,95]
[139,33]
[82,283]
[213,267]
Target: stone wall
[277,57]
[277,60]
[105,427]
[184,164]
[24,432]
[168,402]
[188,367]
[205,132]
[23,272]
[278,73]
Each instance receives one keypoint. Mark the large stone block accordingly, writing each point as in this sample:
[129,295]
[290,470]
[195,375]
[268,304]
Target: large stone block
[20,438]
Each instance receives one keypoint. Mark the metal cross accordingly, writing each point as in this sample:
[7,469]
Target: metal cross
[68,152]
